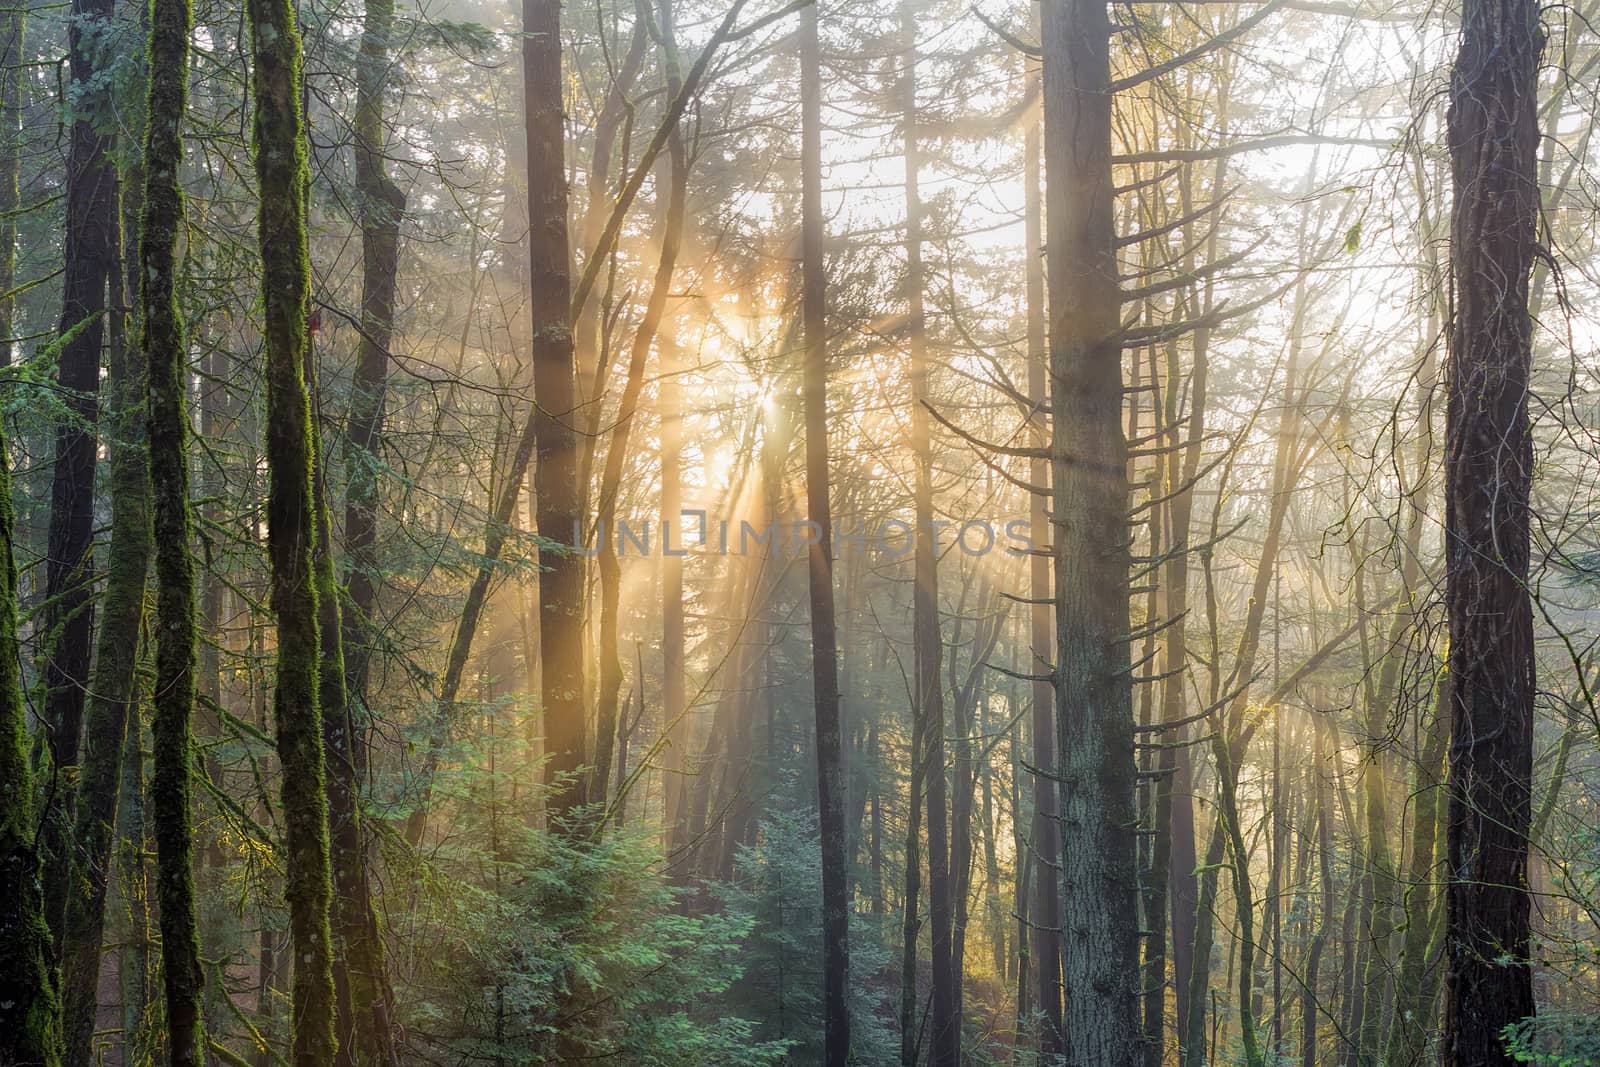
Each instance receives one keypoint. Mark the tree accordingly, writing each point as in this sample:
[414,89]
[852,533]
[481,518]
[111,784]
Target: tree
[360,980]
[555,478]
[14,31]
[111,705]
[819,565]
[292,520]
[91,259]
[671,224]
[1089,502]
[1044,835]
[30,1009]
[165,352]
[1493,137]
[927,640]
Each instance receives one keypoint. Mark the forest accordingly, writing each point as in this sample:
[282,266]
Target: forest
[896,533]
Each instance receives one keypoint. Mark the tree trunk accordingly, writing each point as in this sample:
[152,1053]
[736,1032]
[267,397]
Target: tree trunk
[91,256]
[111,699]
[611,478]
[360,982]
[590,335]
[555,441]
[1310,1007]
[30,1009]
[824,646]
[13,34]
[1493,138]
[1175,790]
[928,691]
[990,622]
[1025,876]
[1045,840]
[1414,995]
[1088,453]
[674,684]
[910,919]
[133,891]
[292,522]
[166,355]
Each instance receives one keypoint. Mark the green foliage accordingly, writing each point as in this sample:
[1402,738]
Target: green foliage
[779,885]
[542,947]
[1352,238]
[1556,1039]
[461,38]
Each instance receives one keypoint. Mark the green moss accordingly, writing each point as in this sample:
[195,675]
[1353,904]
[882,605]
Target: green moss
[164,349]
[281,175]
[30,1009]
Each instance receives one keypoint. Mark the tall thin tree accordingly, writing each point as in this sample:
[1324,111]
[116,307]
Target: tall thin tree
[91,257]
[359,971]
[13,34]
[1044,836]
[280,162]
[165,351]
[824,633]
[111,709]
[927,642]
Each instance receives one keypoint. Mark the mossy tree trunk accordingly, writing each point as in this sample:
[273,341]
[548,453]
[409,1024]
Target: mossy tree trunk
[133,889]
[165,351]
[30,1009]
[280,163]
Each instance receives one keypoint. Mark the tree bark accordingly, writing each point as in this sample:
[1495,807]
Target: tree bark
[556,503]
[292,521]
[91,254]
[1493,137]
[360,981]
[166,354]
[1088,454]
